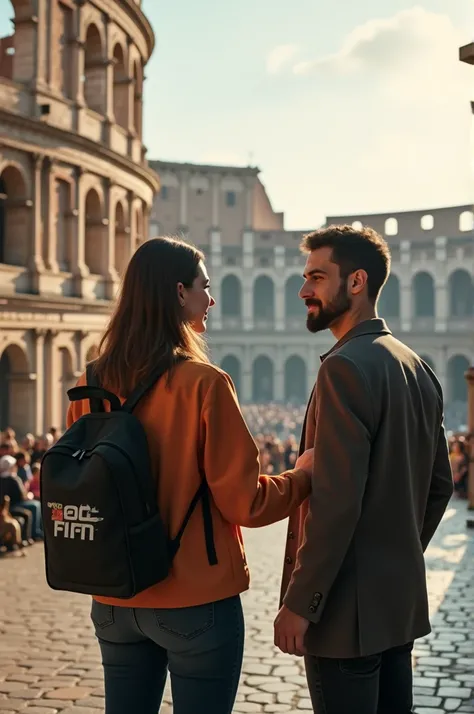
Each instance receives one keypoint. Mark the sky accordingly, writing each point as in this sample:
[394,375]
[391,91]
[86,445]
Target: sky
[346,107]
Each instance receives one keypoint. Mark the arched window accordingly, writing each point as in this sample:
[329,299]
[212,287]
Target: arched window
[461,294]
[231,296]
[389,300]
[424,295]
[264,298]
[121,93]
[17,397]
[294,306]
[95,248]
[15,218]
[391,227]
[427,223]
[262,380]
[95,72]
[457,387]
[295,380]
[466,221]
[231,365]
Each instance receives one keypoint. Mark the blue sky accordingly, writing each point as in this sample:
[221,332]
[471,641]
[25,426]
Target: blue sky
[345,106]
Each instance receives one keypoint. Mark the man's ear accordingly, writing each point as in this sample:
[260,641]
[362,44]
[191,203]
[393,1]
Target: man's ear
[358,281]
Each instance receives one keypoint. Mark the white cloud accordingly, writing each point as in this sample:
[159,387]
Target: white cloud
[279,57]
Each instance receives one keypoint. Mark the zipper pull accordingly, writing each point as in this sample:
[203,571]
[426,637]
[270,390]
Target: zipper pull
[82,456]
[76,453]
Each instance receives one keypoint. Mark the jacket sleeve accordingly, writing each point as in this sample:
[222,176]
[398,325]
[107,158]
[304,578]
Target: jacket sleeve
[344,424]
[441,490]
[231,465]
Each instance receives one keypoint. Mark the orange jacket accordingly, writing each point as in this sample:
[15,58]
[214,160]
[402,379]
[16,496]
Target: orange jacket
[197,422]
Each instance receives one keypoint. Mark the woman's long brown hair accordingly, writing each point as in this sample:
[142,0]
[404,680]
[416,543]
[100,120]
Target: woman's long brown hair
[147,326]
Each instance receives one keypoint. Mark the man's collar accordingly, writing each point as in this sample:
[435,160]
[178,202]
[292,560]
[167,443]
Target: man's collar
[374,326]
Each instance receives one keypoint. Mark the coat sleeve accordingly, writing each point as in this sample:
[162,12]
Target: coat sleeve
[441,490]
[232,468]
[344,425]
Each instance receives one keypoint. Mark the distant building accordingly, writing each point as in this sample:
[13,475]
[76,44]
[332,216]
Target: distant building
[257,328]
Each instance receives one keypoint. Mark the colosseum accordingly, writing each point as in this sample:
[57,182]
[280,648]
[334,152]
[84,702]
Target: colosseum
[257,328]
[75,190]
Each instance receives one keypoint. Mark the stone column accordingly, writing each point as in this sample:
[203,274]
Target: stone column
[279,386]
[43,52]
[246,377]
[249,197]
[40,335]
[52,237]
[216,263]
[78,236]
[132,223]
[52,380]
[441,290]
[215,183]
[183,201]
[247,282]
[36,263]
[406,297]
[280,317]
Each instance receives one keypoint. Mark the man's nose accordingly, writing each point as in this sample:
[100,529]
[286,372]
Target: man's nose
[305,292]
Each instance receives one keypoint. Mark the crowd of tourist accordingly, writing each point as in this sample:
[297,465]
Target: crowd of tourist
[276,430]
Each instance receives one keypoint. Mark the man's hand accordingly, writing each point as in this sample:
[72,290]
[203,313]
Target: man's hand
[290,630]
[305,461]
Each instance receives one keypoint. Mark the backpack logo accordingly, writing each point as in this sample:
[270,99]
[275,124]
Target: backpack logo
[74,521]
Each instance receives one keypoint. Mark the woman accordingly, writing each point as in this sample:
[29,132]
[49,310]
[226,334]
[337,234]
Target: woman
[192,622]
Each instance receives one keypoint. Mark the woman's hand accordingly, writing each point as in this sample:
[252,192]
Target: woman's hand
[305,461]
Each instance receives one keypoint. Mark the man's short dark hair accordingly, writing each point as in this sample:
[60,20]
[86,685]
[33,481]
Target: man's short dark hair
[352,250]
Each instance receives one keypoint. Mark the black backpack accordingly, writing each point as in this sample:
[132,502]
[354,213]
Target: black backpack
[102,530]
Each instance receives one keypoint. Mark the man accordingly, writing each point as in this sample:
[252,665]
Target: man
[354,594]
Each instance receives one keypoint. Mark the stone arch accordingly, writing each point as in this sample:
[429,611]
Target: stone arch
[15,217]
[466,221]
[391,227]
[389,301]
[296,380]
[17,390]
[461,294]
[95,71]
[264,298]
[423,295]
[294,306]
[231,296]
[456,370]
[96,237]
[263,380]
[122,238]
[121,84]
[233,367]
[138,97]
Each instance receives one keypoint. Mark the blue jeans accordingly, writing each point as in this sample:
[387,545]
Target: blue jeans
[202,647]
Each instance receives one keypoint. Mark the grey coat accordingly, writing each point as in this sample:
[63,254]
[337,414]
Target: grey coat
[354,564]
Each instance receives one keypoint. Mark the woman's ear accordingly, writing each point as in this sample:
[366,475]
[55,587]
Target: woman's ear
[181,294]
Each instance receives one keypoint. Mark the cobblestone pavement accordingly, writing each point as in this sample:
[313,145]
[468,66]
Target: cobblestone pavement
[49,660]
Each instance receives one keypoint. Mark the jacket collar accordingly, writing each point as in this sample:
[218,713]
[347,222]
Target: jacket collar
[375,326]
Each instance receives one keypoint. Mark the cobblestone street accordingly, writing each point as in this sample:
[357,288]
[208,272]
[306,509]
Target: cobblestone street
[49,660]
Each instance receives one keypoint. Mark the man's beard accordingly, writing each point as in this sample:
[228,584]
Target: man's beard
[338,307]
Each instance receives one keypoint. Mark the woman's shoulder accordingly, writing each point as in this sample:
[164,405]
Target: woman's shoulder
[203,372]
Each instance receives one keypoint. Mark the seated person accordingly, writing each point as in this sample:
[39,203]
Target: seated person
[10,529]
[12,486]
[35,480]
[24,470]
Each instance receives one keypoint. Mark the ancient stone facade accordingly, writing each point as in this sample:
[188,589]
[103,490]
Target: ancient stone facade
[75,191]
